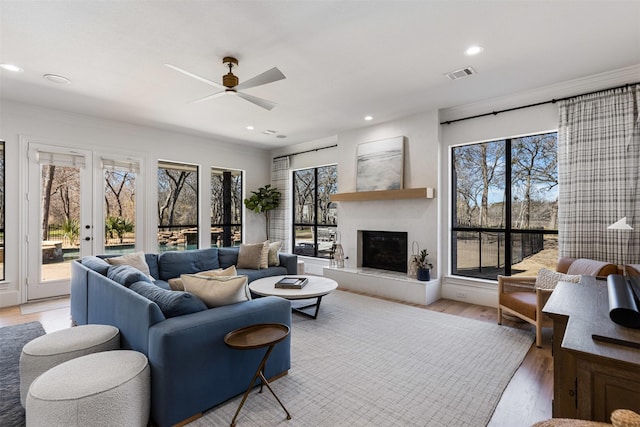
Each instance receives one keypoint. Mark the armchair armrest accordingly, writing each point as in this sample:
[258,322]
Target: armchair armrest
[516,284]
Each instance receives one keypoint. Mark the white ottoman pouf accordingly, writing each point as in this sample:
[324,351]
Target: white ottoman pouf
[47,351]
[111,388]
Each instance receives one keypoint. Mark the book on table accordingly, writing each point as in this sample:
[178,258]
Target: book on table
[291,282]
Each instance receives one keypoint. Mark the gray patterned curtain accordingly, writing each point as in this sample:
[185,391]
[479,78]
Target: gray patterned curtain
[280,226]
[598,173]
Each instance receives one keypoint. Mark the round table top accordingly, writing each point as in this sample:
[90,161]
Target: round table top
[317,286]
[256,336]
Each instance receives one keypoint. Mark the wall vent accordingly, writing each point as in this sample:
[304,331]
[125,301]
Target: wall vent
[463,72]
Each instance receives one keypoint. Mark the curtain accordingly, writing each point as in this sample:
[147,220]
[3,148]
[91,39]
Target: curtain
[598,173]
[280,222]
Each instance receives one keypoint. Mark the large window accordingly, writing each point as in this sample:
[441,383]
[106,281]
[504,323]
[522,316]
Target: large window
[226,207]
[177,206]
[2,210]
[315,217]
[505,207]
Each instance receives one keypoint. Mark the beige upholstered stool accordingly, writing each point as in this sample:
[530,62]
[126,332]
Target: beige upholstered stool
[111,388]
[47,351]
[619,418]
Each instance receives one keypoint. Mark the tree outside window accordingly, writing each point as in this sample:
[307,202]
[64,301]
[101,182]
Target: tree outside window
[177,206]
[315,216]
[505,207]
[226,207]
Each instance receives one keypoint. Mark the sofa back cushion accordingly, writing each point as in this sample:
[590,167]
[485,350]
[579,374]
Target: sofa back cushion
[228,256]
[172,303]
[173,264]
[126,275]
[98,265]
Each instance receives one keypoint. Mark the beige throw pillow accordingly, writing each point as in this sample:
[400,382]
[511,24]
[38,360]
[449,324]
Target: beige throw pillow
[217,291]
[135,260]
[250,255]
[264,260]
[176,284]
[274,258]
[548,279]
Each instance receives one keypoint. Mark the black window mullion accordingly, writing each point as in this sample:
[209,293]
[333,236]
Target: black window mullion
[508,256]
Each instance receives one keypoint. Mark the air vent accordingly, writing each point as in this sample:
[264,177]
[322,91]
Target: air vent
[458,74]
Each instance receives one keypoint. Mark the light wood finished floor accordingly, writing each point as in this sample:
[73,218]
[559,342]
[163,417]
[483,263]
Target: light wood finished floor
[526,400]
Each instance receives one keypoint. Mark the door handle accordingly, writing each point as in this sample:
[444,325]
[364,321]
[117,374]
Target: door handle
[87,238]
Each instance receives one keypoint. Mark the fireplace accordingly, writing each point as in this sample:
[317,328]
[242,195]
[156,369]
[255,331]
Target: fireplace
[384,250]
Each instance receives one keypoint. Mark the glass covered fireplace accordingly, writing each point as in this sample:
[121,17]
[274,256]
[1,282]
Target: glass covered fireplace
[384,250]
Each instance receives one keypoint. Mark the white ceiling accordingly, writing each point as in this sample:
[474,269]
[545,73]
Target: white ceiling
[342,59]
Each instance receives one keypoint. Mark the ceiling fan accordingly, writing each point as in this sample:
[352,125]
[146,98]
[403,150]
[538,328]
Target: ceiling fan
[230,83]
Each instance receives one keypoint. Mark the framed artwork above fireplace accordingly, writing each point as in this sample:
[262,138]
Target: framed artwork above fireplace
[380,165]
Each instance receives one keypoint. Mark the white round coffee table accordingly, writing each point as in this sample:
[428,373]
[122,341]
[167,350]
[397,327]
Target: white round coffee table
[316,287]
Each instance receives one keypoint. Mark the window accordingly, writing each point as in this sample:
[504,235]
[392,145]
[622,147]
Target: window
[315,217]
[226,207]
[119,205]
[505,207]
[2,276]
[177,206]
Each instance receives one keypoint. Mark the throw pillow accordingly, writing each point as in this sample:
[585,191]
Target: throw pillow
[548,279]
[250,255]
[126,275]
[264,260]
[217,291]
[135,260]
[274,258]
[171,303]
[96,264]
[176,283]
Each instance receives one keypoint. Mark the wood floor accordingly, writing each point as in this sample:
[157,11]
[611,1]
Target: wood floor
[526,400]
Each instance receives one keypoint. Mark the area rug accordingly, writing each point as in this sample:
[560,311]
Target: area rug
[370,362]
[12,339]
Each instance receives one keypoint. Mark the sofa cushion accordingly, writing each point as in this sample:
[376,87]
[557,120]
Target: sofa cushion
[217,291]
[126,275]
[96,264]
[228,256]
[171,303]
[135,260]
[274,256]
[174,263]
[176,283]
[263,272]
[250,255]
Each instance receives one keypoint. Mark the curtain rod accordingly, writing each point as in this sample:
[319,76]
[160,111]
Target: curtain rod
[303,152]
[553,101]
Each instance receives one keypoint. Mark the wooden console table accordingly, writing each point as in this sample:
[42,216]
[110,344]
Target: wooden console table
[591,377]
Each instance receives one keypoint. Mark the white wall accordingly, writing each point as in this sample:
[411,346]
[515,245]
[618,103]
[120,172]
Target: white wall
[27,122]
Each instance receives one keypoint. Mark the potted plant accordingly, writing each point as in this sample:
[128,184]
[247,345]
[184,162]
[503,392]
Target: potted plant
[262,201]
[424,266]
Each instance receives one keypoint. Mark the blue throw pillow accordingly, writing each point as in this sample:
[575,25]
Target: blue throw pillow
[172,303]
[96,264]
[126,275]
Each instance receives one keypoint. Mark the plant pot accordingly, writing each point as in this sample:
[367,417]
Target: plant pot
[424,274]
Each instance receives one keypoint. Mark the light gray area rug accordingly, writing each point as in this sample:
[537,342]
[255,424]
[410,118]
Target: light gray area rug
[370,362]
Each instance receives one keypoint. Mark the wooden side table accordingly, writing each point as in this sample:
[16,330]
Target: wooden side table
[254,337]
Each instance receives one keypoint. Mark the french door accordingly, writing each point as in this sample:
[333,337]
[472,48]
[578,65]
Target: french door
[60,216]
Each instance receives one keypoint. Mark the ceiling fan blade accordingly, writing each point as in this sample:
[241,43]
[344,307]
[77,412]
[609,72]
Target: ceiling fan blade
[270,76]
[208,97]
[258,101]
[195,76]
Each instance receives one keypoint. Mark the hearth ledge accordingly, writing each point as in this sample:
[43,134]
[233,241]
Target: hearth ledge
[385,284]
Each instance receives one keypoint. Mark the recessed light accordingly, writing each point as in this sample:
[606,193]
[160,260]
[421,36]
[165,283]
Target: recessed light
[54,78]
[250,127]
[473,50]
[11,67]
[368,118]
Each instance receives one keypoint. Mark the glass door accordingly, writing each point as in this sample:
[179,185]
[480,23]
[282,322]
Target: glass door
[60,217]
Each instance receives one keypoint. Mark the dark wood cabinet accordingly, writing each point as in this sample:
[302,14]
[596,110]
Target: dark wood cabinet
[591,377]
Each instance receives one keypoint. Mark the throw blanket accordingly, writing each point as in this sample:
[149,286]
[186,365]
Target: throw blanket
[586,267]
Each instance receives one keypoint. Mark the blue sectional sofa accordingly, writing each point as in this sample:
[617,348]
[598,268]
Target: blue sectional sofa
[192,369]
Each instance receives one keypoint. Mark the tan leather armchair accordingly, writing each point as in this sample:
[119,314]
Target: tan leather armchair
[518,295]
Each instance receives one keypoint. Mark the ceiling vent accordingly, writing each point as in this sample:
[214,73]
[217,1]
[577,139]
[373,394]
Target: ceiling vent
[458,74]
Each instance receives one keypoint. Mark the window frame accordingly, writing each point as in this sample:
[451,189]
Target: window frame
[315,225]
[508,231]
